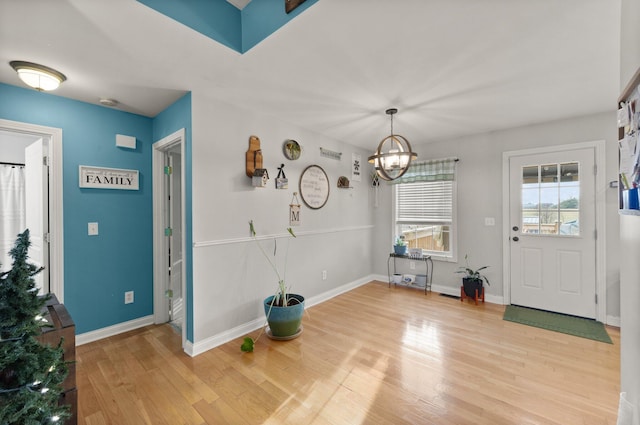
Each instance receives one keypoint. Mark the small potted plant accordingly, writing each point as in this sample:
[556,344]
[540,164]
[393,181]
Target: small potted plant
[400,246]
[283,310]
[472,280]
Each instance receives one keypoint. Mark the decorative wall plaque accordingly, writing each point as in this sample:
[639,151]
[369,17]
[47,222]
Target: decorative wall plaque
[291,149]
[108,178]
[314,187]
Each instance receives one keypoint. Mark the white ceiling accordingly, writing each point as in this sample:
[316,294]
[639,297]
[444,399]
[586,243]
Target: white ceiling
[240,4]
[451,67]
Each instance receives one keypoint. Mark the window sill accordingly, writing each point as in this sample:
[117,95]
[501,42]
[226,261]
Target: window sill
[443,258]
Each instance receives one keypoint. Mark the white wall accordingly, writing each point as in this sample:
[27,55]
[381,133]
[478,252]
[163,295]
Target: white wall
[629,40]
[629,226]
[480,196]
[230,277]
[12,146]
[630,332]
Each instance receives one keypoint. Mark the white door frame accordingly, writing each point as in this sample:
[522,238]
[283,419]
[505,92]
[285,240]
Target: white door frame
[56,233]
[600,208]
[160,242]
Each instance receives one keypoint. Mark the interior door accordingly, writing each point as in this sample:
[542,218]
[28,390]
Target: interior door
[36,204]
[175,237]
[553,231]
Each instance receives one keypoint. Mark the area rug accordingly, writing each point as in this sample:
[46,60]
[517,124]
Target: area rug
[563,323]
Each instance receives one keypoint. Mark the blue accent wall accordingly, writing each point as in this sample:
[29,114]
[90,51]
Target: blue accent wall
[224,23]
[261,18]
[170,120]
[98,270]
[217,19]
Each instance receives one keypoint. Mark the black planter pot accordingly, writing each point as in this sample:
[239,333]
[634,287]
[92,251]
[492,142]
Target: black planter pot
[470,285]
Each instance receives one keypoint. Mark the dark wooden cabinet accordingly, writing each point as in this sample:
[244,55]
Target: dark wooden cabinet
[63,329]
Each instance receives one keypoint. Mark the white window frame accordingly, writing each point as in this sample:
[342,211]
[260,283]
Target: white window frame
[453,235]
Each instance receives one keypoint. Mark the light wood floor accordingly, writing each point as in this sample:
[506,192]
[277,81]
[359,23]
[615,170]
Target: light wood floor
[371,356]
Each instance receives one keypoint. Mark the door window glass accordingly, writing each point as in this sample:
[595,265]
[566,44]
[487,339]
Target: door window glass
[551,199]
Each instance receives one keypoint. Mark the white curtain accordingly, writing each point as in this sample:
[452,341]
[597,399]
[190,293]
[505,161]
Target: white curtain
[12,210]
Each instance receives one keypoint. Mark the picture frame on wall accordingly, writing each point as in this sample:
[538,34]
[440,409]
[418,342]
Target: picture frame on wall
[314,187]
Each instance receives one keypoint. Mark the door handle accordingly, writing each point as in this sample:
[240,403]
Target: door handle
[515,228]
[515,239]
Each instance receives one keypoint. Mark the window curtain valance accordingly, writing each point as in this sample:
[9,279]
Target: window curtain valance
[431,170]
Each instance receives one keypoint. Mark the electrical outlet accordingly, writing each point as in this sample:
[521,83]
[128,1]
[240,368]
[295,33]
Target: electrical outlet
[412,265]
[324,275]
[128,297]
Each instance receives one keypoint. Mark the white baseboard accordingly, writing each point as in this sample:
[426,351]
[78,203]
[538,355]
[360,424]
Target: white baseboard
[448,290]
[88,337]
[309,302]
[493,299]
[193,349]
[613,321]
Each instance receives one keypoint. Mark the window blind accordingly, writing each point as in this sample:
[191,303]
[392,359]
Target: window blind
[424,202]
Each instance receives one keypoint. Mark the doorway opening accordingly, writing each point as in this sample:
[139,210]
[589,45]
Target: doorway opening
[554,229]
[40,149]
[168,236]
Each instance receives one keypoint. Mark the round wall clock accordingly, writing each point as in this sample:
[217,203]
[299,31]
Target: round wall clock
[291,149]
[314,187]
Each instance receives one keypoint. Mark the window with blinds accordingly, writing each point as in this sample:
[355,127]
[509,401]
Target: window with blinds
[424,215]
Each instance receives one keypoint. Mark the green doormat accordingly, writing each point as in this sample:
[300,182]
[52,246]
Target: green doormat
[571,325]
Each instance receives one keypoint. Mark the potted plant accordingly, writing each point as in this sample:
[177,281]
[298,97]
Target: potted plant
[283,310]
[472,279]
[400,246]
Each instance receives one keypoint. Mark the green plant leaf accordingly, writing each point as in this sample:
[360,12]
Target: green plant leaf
[247,345]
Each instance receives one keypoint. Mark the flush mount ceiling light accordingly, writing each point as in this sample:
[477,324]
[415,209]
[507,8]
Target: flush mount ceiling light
[109,102]
[40,77]
[394,155]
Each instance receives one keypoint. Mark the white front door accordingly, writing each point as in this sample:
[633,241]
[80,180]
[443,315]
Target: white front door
[553,231]
[36,206]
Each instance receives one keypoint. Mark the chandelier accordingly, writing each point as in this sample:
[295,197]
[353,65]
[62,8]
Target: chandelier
[394,155]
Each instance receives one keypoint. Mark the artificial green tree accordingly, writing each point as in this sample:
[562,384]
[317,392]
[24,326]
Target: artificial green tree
[31,373]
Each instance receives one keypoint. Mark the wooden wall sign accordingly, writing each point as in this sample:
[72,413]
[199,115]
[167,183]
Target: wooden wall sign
[294,210]
[108,178]
[253,160]
[294,215]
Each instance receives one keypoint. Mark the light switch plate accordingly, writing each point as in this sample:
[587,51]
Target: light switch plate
[93,229]
[489,221]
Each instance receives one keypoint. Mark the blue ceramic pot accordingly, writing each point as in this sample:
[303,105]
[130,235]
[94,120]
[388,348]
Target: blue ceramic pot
[284,321]
[400,249]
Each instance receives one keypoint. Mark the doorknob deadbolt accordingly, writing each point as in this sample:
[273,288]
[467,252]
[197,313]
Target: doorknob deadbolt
[515,228]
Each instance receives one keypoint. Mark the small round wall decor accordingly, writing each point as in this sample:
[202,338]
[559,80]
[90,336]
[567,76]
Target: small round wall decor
[291,149]
[314,187]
